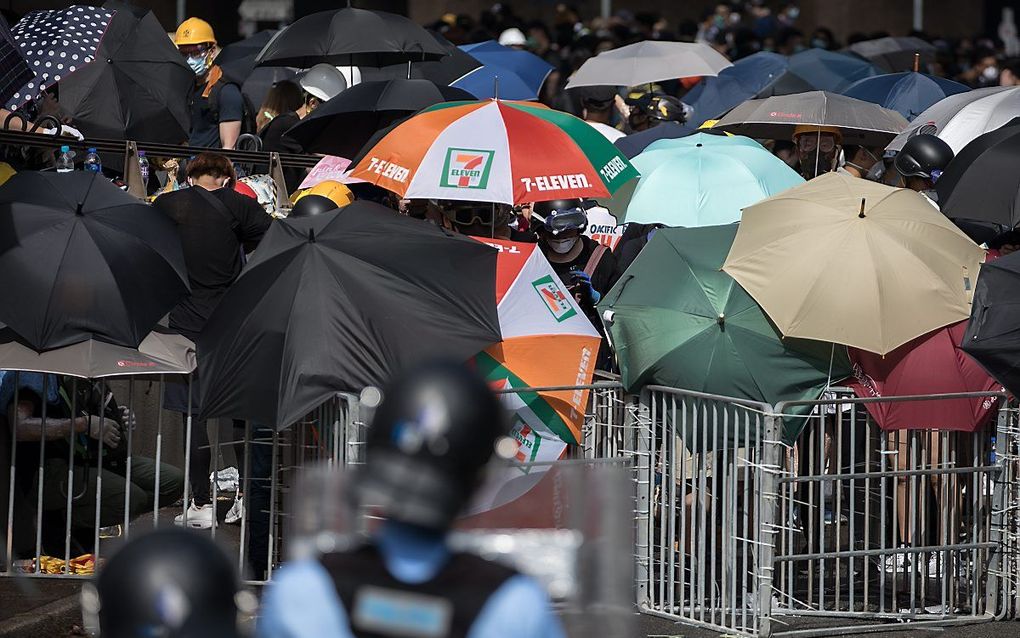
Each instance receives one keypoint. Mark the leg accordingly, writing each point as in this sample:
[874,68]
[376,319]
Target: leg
[260,467]
[201,456]
[171,481]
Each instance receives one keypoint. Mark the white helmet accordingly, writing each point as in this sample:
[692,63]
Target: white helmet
[323,81]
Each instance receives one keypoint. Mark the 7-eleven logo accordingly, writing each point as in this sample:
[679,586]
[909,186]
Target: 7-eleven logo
[554,298]
[466,168]
[528,441]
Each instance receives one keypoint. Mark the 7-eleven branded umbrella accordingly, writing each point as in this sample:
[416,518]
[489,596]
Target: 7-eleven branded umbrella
[495,151]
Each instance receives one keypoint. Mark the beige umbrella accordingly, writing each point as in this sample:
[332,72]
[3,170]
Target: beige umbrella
[849,261]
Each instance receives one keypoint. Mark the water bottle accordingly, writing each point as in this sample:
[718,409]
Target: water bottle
[92,162]
[143,167]
[65,162]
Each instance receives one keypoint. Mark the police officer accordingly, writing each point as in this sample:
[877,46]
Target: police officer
[172,583]
[431,437]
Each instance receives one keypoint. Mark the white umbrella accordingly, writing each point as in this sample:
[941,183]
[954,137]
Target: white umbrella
[960,118]
[648,62]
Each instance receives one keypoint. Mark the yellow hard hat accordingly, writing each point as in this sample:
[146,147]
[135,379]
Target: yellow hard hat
[194,31]
[332,190]
[707,124]
[800,129]
[6,172]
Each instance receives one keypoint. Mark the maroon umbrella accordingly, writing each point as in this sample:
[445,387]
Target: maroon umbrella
[933,363]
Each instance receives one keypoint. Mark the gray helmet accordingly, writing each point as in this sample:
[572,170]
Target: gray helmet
[323,81]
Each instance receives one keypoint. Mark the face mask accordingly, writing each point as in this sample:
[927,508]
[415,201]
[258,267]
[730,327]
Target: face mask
[562,246]
[990,73]
[198,64]
[818,43]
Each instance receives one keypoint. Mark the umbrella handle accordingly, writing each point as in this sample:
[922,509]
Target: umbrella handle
[38,124]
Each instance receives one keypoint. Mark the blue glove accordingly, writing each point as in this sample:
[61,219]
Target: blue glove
[582,280]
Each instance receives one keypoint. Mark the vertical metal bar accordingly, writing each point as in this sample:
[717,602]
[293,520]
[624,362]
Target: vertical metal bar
[272,506]
[42,472]
[769,486]
[69,503]
[159,455]
[644,487]
[246,491]
[99,483]
[1002,436]
[669,489]
[130,452]
[13,474]
[187,457]
[215,470]
[912,515]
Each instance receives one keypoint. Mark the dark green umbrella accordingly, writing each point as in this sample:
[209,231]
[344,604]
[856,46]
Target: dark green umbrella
[678,320]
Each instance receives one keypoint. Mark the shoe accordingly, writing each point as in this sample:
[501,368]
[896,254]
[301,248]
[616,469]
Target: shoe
[198,517]
[236,511]
[113,531]
[896,562]
[830,518]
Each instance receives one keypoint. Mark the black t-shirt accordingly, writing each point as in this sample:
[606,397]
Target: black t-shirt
[274,138]
[214,241]
[206,116]
[602,279]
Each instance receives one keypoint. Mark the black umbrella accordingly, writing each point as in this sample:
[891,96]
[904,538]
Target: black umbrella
[82,259]
[895,54]
[137,89]
[237,61]
[982,182]
[14,71]
[351,37]
[633,144]
[444,71]
[992,336]
[341,301]
[342,125]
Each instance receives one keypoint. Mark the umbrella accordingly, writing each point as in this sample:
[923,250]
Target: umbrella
[909,94]
[237,61]
[158,353]
[992,337]
[507,73]
[775,117]
[931,364]
[631,145]
[444,71]
[648,62]
[344,124]
[351,37]
[850,261]
[895,54]
[547,341]
[82,258]
[14,71]
[960,118]
[982,182]
[56,43]
[762,74]
[705,179]
[341,301]
[698,330]
[830,70]
[141,92]
[494,151]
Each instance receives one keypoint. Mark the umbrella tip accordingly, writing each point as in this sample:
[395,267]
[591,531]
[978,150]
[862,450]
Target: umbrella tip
[80,210]
[861,214]
[721,319]
[311,235]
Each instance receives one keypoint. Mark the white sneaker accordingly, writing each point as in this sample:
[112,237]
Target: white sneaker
[198,517]
[896,562]
[236,511]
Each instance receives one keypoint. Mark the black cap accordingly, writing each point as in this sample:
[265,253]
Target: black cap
[597,96]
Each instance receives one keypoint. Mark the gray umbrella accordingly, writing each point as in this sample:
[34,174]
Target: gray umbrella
[647,62]
[895,54]
[960,118]
[157,354]
[776,117]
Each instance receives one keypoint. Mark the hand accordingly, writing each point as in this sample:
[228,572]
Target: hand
[581,282]
[108,428]
[127,417]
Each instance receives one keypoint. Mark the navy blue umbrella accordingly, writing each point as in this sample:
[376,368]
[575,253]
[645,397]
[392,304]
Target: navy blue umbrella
[763,74]
[829,70]
[517,74]
[908,93]
[633,144]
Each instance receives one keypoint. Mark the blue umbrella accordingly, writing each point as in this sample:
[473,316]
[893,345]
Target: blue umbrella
[908,93]
[520,74]
[763,74]
[829,70]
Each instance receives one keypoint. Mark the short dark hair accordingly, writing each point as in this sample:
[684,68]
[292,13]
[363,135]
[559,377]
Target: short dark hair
[212,164]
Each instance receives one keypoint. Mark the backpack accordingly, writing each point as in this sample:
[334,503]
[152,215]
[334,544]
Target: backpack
[248,109]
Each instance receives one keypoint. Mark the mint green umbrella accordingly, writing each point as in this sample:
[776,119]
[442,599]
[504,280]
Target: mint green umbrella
[704,179]
[676,319]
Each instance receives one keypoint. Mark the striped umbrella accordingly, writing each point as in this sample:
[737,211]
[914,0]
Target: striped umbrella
[495,151]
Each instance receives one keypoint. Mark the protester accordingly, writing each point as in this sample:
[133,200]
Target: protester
[482,219]
[217,106]
[920,163]
[817,148]
[859,160]
[283,99]
[597,103]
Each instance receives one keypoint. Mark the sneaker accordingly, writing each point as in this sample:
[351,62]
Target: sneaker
[198,517]
[236,511]
[831,518]
[896,562]
[113,531]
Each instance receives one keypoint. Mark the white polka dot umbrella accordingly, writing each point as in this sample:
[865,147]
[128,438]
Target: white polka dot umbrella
[56,43]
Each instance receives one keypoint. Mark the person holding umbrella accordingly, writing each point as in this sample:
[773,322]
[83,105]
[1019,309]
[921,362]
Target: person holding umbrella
[217,107]
[818,149]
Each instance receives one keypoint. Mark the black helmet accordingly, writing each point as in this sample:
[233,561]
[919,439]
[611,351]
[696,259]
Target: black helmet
[666,108]
[923,156]
[312,205]
[173,583]
[435,430]
[561,215]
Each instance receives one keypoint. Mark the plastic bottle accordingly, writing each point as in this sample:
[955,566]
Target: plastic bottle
[65,161]
[92,161]
[143,166]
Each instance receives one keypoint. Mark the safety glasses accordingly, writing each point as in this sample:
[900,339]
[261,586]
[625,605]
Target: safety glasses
[809,141]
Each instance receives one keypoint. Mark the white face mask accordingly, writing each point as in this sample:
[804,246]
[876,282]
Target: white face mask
[562,246]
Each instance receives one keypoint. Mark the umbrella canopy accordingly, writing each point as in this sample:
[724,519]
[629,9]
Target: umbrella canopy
[141,92]
[700,331]
[762,74]
[56,43]
[776,117]
[444,71]
[982,182]
[960,118]
[82,258]
[507,73]
[237,61]
[909,94]
[894,54]
[830,70]
[648,62]
[547,340]
[14,71]
[158,353]
[704,179]
[344,124]
[850,261]
[494,151]
[631,145]
[341,301]
[931,364]
[992,337]
[351,37]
